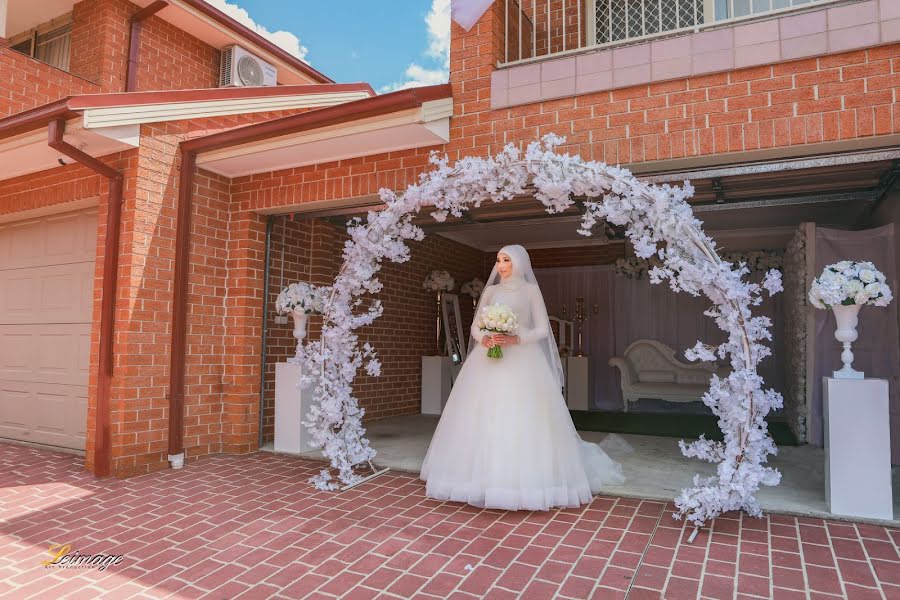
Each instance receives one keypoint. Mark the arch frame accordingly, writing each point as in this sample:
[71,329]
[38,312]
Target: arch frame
[658,220]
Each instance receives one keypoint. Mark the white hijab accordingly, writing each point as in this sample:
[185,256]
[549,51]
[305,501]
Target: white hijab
[521,270]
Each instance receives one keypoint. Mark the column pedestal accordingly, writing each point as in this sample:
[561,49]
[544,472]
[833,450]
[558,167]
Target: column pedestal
[577,382]
[857,448]
[435,384]
[291,406]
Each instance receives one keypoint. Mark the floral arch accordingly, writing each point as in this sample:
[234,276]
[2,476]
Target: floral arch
[657,220]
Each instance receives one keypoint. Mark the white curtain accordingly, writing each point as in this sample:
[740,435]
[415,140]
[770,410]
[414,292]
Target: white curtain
[632,309]
[595,284]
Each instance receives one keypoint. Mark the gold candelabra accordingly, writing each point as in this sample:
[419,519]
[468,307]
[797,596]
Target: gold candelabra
[437,337]
[579,318]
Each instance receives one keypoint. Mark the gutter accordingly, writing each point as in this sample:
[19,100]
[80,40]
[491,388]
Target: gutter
[189,149]
[134,41]
[102,433]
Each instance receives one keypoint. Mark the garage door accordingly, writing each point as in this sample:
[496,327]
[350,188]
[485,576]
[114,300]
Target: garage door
[46,288]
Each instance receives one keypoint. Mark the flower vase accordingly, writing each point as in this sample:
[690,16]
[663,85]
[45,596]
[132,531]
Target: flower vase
[847,318]
[300,319]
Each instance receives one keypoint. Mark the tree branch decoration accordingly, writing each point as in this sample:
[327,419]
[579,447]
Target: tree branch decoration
[658,221]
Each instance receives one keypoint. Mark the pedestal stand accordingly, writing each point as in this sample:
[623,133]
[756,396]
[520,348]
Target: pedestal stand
[291,406]
[577,382]
[435,384]
[857,448]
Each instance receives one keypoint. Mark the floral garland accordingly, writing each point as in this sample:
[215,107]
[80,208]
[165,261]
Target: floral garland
[849,282]
[635,267]
[795,302]
[657,219]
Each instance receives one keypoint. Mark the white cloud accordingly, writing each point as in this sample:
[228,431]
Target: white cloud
[438,22]
[283,39]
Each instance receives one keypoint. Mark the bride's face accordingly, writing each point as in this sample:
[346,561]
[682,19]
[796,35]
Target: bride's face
[504,265]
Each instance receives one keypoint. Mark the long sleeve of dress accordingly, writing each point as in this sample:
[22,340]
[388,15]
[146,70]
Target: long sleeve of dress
[486,296]
[540,325]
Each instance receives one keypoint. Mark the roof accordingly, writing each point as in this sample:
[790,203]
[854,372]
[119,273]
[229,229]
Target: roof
[348,119]
[201,9]
[144,107]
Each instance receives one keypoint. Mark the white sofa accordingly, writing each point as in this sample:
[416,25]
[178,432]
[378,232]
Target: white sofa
[650,370]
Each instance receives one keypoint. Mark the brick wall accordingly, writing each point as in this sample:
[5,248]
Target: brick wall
[26,83]
[403,334]
[168,59]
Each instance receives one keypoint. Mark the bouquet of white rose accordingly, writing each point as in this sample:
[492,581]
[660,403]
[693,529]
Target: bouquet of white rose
[301,296]
[497,318]
[473,288]
[438,280]
[849,282]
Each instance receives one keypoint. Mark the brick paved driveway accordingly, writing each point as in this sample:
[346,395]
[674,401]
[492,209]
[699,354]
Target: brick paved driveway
[251,527]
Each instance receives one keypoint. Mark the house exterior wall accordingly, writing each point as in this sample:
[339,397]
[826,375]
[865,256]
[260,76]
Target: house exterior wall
[718,116]
[26,83]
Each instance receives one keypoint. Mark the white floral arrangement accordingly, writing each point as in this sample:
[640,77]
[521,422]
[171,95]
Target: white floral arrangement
[849,282]
[473,288]
[657,220]
[301,296]
[438,281]
[497,318]
[635,267]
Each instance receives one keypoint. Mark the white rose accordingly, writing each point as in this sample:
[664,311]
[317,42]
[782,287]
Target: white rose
[861,298]
[844,264]
[866,275]
[853,287]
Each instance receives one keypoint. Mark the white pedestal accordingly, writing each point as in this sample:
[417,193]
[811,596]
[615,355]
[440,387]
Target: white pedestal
[435,384]
[291,406]
[577,382]
[857,448]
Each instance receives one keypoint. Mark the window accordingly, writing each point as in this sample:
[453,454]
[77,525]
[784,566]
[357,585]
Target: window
[50,43]
[625,19]
[729,9]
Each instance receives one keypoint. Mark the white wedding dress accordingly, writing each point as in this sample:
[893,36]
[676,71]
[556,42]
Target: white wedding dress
[505,438]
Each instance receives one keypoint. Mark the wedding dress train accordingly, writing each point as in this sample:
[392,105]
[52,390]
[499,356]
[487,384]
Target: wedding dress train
[505,438]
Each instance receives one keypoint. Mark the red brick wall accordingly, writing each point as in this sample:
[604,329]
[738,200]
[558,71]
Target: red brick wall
[843,96]
[403,334]
[26,83]
[169,58]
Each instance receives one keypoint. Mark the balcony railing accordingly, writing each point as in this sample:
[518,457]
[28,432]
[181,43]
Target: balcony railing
[537,29]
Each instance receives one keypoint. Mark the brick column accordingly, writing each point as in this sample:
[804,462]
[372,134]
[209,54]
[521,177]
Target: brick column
[473,57]
[243,333]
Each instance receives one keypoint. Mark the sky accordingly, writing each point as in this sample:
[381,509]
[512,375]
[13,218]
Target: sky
[392,44]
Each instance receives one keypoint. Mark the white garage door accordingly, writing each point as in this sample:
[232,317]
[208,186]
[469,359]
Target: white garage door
[46,290]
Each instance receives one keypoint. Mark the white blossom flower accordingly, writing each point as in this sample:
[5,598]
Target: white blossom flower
[848,282]
[438,280]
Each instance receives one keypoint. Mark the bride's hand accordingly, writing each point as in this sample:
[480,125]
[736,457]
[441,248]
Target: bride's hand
[487,341]
[505,340]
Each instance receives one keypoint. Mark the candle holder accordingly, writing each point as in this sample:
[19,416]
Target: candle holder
[579,318]
[437,328]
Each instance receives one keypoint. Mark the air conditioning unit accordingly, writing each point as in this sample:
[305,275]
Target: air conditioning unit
[240,68]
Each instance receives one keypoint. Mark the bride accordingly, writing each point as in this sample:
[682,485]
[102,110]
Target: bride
[505,438]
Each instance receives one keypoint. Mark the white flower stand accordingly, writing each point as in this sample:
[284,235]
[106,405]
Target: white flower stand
[576,370]
[291,406]
[857,448]
[435,384]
